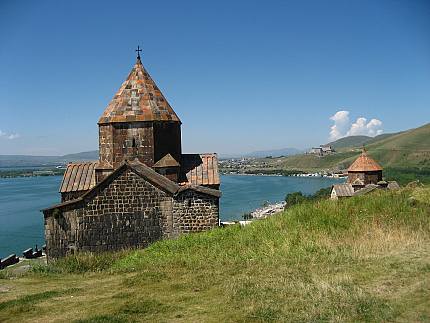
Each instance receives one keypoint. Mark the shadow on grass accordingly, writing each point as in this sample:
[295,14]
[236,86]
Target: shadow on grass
[27,303]
[129,311]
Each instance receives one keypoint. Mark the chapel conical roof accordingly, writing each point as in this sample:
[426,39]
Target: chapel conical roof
[364,163]
[138,99]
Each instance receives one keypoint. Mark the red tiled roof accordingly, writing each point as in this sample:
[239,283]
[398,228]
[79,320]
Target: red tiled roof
[200,169]
[78,177]
[138,99]
[364,163]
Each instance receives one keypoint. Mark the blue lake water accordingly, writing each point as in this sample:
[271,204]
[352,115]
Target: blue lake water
[21,223]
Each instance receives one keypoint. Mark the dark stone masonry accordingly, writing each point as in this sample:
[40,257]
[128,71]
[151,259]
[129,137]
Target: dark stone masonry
[142,188]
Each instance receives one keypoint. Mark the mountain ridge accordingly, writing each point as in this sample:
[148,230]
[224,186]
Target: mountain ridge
[39,161]
[357,141]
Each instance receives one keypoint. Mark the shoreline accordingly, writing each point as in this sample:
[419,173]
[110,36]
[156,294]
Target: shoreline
[305,175]
[27,175]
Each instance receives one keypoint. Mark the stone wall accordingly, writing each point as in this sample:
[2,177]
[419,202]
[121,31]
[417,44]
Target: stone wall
[194,212]
[366,177]
[106,144]
[126,211]
[61,229]
[167,140]
[129,212]
[119,141]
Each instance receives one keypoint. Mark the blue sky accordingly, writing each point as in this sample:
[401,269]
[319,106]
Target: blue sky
[242,75]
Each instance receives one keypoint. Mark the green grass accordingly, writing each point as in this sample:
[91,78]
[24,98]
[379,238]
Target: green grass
[26,303]
[362,259]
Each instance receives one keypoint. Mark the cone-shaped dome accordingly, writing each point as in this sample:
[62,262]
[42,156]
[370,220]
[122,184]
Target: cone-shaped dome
[138,99]
[364,163]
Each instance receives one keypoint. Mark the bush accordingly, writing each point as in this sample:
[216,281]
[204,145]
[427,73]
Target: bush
[295,198]
[321,193]
[299,197]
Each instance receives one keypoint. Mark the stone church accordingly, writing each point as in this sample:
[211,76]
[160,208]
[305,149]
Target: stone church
[142,188]
[364,176]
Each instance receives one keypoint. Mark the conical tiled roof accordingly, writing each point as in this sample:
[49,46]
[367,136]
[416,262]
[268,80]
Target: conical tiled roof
[364,163]
[138,99]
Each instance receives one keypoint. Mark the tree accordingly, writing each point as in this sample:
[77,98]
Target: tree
[295,198]
[322,193]
[247,216]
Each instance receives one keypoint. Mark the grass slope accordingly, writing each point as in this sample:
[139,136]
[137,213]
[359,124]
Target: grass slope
[362,259]
[350,141]
[403,154]
[358,141]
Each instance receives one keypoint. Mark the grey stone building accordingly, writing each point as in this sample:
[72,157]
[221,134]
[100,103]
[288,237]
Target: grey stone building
[142,188]
[364,176]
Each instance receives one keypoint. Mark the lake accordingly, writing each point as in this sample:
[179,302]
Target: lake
[21,199]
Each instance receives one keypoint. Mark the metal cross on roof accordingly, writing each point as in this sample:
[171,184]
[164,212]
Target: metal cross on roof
[138,50]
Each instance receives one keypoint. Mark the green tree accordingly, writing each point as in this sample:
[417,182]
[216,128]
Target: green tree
[247,216]
[295,198]
[322,193]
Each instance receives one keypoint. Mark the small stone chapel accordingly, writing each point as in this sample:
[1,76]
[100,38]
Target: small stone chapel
[364,176]
[142,188]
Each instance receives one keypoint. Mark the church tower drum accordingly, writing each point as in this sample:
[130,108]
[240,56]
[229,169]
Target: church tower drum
[140,124]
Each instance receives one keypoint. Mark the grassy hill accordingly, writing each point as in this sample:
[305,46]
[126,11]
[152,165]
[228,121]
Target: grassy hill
[405,154]
[357,141]
[350,141]
[362,259]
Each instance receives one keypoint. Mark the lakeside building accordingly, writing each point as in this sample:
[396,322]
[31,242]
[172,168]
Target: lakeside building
[142,188]
[364,176]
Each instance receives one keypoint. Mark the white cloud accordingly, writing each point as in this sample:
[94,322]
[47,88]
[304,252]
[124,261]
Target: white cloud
[363,128]
[341,124]
[360,127]
[9,136]
[13,136]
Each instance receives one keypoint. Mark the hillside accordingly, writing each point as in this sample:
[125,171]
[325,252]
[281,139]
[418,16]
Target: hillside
[362,259]
[406,151]
[357,141]
[37,161]
[350,141]
[274,152]
[86,155]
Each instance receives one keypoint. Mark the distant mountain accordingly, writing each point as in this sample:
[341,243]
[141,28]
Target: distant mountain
[49,161]
[264,153]
[38,161]
[274,152]
[350,141]
[358,141]
[86,155]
